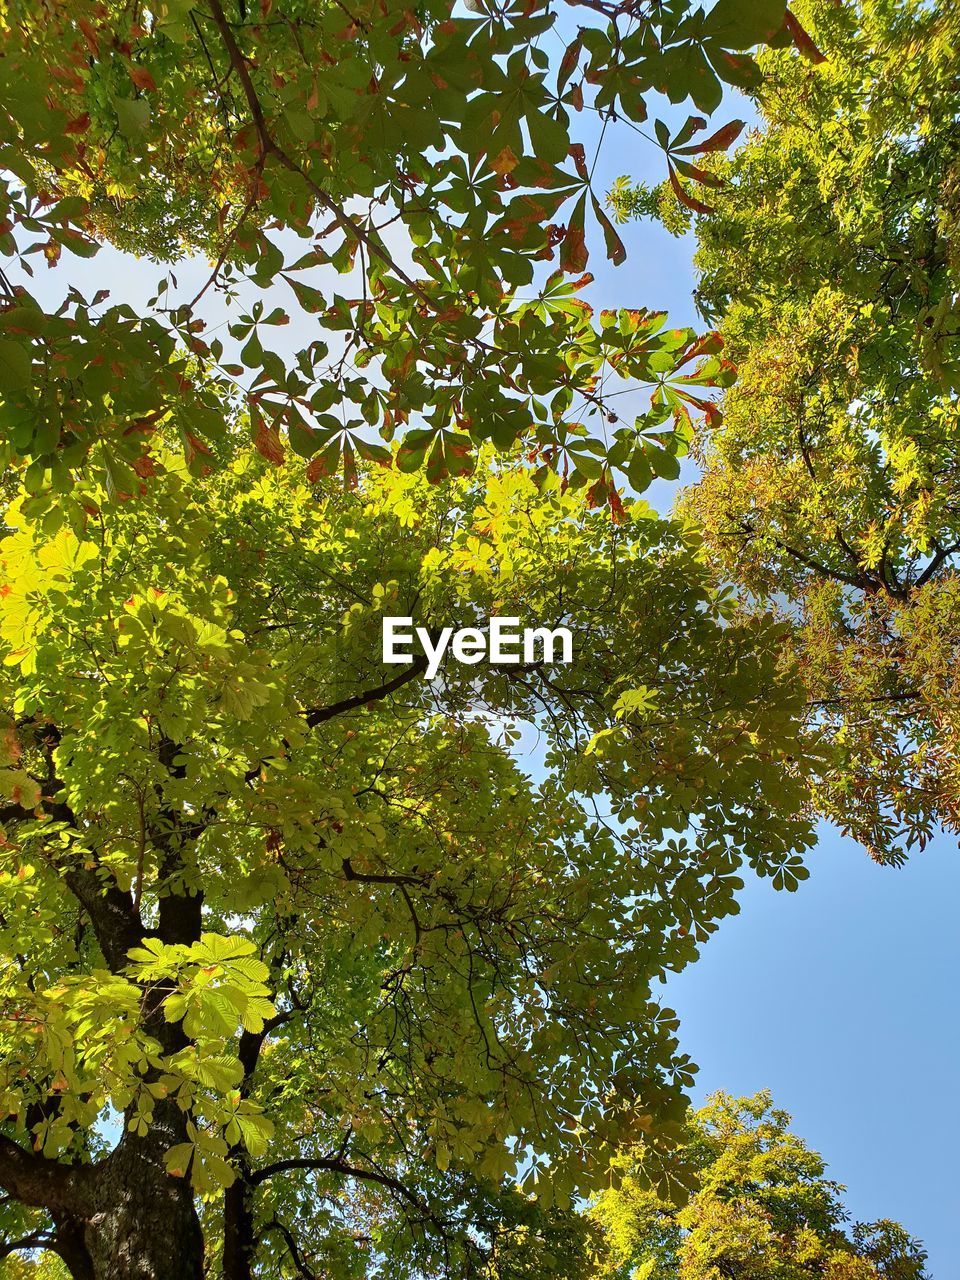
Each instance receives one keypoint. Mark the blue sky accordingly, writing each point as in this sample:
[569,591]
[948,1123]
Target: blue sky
[838,998]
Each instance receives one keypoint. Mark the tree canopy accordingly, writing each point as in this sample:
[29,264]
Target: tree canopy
[830,261]
[305,974]
[760,1208]
[436,158]
[306,928]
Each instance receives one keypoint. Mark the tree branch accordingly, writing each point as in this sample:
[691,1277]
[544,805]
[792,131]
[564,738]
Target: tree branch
[116,921]
[269,147]
[859,581]
[364,877]
[41,1183]
[942,555]
[319,714]
[337,1165]
[38,1240]
[303,1271]
[179,913]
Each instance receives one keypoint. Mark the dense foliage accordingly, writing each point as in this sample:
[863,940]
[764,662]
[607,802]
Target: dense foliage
[833,484]
[431,155]
[760,1208]
[303,973]
[302,920]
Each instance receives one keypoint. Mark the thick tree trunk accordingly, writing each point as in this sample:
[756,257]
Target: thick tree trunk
[239,1243]
[149,1231]
[124,1217]
[144,1223]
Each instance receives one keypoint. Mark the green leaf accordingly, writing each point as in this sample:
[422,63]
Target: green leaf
[133,115]
[615,247]
[741,24]
[177,1159]
[16,372]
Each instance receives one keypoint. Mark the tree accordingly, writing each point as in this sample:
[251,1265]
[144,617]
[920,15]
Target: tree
[760,1207]
[303,970]
[24,1266]
[831,485]
[428,155]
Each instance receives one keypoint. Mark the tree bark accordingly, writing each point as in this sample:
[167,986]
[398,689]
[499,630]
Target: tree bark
[239,1237]
[239,1241]
[124,1218]
[144,1223]
[69,1244]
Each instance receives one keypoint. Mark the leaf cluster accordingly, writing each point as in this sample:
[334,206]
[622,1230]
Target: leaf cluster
[313,929]
[831,486]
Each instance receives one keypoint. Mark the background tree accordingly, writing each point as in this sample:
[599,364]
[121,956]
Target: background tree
[28,1266]
[302,969]
[831,486]
[760,1208]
